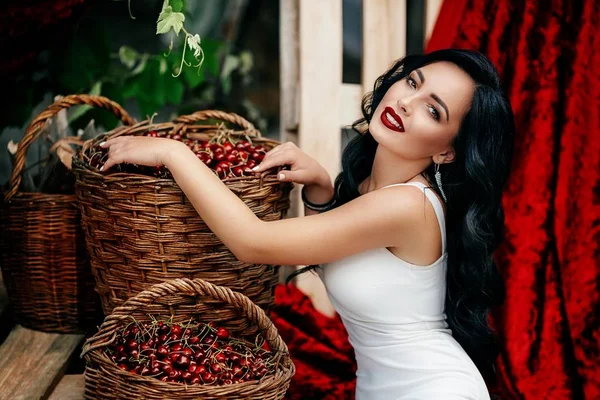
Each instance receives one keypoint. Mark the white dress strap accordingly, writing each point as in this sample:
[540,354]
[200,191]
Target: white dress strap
[435,202]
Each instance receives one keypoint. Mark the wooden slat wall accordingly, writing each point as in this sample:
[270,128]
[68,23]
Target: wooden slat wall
[384,37]
[320,87]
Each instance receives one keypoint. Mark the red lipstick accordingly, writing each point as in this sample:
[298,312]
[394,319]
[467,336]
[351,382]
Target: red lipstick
[391,120]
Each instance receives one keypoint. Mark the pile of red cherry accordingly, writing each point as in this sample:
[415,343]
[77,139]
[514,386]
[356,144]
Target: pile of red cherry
[226,156]
[193,353]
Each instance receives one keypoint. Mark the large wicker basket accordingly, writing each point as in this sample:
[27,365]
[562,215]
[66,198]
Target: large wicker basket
[142,230]
[43,257]
[182,300]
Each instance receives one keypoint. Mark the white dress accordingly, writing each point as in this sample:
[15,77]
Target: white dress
[393,312]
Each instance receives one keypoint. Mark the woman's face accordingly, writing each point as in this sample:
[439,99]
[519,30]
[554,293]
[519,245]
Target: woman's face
[420,115]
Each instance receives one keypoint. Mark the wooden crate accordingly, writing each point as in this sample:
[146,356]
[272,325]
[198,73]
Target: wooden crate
[36,365]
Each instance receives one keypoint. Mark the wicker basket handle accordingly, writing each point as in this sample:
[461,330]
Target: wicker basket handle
[107,332]
[35,129]
[220,115]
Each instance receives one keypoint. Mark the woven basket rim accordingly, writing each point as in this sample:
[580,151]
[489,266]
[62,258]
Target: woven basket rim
[79,164]
[94,353]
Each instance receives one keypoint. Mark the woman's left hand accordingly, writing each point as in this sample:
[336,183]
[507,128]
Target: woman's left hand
[140,150]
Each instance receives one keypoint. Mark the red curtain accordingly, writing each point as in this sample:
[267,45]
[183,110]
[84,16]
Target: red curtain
[548,55]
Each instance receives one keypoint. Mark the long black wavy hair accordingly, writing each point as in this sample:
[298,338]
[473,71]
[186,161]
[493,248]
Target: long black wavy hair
[473,185]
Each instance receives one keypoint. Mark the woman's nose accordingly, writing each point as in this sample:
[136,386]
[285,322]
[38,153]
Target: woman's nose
[405,105]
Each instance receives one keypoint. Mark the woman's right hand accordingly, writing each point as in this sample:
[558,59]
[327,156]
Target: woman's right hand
[303,169]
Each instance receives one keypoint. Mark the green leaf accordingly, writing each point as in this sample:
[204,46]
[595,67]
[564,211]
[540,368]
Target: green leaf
[128,56]
[177,5]
[169,19]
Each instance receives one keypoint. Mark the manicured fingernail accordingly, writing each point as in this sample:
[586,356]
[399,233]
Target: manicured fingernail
[281,177]
[256,168]
[101,168]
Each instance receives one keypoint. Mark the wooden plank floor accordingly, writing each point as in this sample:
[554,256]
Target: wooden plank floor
[71,387]
[32,363]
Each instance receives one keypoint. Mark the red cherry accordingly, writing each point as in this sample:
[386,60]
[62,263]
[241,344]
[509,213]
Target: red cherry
[173,357]
[196,380]
[219,157]
[222,333]
[260,148]
[237,371]
[176,137]
[183,361]
[216,368]
[162,351]
[200,369]
[251,164]
[176,329]
[163,329]
[194,340]
[221,358]
[187,375]
[167,368]
[123,367]
[228,147]
[165,378]
[155,371]
[187,351]
[231,158]
[199,353]
[176,347]
[224,165]
[152,134]
[216,148]
[208,377]
[132,344]
[227,382]
[241,145]
[222,174]
[238,171]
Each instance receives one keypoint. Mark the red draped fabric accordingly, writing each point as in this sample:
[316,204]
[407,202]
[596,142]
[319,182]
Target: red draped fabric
[324,359]
[548,55]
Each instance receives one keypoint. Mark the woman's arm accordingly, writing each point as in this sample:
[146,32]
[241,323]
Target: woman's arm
[381,218]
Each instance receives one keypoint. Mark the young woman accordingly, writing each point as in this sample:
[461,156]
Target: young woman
[406,242]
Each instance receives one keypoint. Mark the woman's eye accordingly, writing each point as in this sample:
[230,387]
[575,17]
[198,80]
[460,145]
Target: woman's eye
[411,82]
[434,113]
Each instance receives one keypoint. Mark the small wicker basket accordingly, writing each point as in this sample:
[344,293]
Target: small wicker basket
[43,257]
[142,230]
[182,300]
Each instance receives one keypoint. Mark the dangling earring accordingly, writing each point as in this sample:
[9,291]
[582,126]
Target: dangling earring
[438,179]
